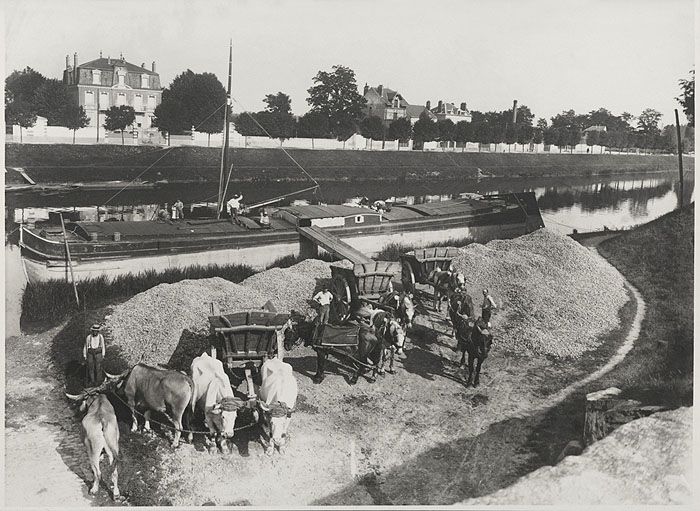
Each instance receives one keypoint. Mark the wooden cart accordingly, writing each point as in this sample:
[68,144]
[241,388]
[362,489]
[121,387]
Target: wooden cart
[244,340]
[363,282]
[417,265]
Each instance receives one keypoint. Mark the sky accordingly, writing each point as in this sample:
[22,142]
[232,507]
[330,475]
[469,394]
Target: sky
[551,55]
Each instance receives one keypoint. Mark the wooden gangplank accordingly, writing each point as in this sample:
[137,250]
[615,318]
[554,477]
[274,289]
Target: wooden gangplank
[332,244]
[24,174]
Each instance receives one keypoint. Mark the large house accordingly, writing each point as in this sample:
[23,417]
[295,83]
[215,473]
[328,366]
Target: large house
[450,111]
[390,105]
[102,83]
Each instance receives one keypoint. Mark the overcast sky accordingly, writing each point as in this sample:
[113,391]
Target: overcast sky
[552,55]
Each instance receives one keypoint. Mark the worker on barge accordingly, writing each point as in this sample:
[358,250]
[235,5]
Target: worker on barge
[93,354]
[233,207]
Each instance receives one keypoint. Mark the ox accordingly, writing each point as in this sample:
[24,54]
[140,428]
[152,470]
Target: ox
[214,396]
[100,432]
[161,390]
[277,399]
[475,339]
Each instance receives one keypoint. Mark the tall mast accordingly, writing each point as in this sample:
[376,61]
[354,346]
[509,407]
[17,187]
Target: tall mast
[224,159]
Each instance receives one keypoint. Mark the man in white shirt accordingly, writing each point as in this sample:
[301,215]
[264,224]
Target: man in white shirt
[233,206]
[324,299]
[93,354]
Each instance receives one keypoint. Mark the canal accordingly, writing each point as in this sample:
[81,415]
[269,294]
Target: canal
[581,203]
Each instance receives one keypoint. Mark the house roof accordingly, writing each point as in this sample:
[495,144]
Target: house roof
[102,63]
[450,108]
[388,95]
[415,111]
[596,128]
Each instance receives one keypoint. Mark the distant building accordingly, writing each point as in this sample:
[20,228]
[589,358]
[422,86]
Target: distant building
[390,105]
[103,83]
[595,128]
[451,111]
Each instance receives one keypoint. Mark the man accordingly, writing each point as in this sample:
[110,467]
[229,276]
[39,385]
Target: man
[324,299]
[487,307]
[233,206]
[93,354]
[264,218]
[179,208]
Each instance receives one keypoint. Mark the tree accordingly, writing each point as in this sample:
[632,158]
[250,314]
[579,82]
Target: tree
[313,125]
[245,124]
[446,130]
[51,100]
[20,112]
[277,124]
[524,135]
[118,118]
[464,132]
[280,103]
[335,95]
[193,99]
[372,128]
[400,129]
[74,118]
[687,97]
[424,130]
[22,85]
[593,138]
[648,121]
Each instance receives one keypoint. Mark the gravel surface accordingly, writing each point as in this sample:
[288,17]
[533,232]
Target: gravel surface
[554,296]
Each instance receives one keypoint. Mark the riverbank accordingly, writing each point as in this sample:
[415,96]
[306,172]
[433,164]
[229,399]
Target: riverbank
[67,164]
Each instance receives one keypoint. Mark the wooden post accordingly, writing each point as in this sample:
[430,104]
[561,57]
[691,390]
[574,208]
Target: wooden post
[70,263]
[680,154]
[597,403]
[307,248]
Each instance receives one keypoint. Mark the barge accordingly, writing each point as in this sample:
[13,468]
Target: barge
[115,248]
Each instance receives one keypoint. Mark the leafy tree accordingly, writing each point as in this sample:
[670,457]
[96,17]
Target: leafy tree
[313,125]
[277,124]
[20,112]
[245,125]
[280,103]
[464,132]
[425,130]
[542,124]
[592,138]
[603,140]
[446,130]
[524,135]
[118,118]
[549,136]
[400,129]
[372,128]
[193,99]
[51,100]
[335,95]
[74,118]
[22,85]
[648,128]
[687,97]
[537,135]
[510,135]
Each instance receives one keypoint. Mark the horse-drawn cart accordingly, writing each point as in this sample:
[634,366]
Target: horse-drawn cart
[363,283]
[417,265]
[244,340]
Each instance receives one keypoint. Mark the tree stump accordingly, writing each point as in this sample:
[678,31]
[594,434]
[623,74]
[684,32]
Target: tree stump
[597,403]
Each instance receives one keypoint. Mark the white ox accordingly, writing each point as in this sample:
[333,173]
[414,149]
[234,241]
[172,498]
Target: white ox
[213,394]
[277,399]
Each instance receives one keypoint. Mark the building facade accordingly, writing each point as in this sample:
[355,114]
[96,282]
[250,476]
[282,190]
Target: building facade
[390,105]
[102,83]
[451,111]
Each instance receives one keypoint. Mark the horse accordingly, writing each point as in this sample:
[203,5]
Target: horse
[474,339]
[402,303]
[392,336]
[460,303]
[440,280]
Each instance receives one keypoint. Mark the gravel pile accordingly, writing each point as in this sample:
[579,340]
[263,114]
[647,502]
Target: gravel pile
[555,297]
[168,324]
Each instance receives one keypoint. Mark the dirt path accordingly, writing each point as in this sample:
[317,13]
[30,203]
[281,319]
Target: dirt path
[45,461]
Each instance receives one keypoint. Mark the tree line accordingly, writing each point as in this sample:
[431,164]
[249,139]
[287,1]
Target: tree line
[198,100]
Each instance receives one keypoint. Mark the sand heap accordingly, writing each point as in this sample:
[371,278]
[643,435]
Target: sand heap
[555,296]
[152,325]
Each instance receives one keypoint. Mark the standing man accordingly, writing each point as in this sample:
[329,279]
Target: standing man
[93,354]
[487,307]
[233,206]
[324,299]
[179,208]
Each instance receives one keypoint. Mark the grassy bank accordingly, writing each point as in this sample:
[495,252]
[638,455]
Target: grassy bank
[52,301]
[89,163]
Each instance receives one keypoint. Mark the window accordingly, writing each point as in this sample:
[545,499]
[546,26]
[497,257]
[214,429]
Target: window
[121,74]
[96,77]
[144,81]
[89,98]
[151,102]
[138,102]
[121,99]
[359,219]
[104,100]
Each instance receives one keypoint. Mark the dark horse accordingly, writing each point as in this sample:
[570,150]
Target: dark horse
[460,303]
[474,339]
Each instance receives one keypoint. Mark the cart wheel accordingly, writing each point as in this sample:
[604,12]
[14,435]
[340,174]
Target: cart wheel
[340,307]
[408,279]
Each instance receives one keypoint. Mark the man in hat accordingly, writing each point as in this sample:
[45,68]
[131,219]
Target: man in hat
[233,206]
[93,354]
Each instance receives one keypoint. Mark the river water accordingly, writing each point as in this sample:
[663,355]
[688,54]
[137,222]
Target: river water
[582,203]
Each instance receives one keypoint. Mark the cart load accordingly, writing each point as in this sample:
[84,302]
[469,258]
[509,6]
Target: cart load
[417,265]
[363,282]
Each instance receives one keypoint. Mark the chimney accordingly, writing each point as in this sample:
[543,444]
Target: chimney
[100,53]
[109,60]
[463,107]
[366,89]
[153,66]
[515,110]
[75,60]
[427,104]
[440,106]
[67,61]
[380,89]
[121,56]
